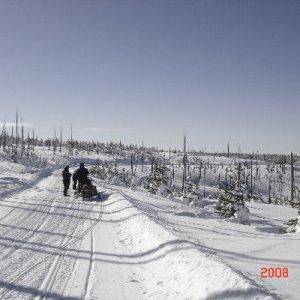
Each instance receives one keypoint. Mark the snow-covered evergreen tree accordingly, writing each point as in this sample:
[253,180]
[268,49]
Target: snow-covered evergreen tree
[158,178]
[293,225]
[231,204]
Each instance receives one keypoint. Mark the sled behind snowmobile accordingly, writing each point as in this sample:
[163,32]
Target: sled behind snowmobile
[89,191]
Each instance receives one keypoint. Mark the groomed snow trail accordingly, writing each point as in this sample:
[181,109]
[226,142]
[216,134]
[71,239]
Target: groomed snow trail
[55,247]
[40,236]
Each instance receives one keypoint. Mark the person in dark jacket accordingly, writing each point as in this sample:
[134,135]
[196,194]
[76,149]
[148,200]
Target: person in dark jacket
[66,175]
[75,179]
[81,176]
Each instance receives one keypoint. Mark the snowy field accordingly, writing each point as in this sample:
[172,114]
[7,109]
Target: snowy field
[131,244]
[244,248]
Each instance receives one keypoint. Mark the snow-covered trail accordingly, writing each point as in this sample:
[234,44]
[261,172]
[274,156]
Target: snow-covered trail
[40,236]
[59,247]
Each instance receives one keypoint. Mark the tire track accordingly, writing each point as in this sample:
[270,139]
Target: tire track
[90,230]
[28,221]
[34,264]
[55,266]
[59,252]
[20,218]
[14,209]
[27,236]
[91,266]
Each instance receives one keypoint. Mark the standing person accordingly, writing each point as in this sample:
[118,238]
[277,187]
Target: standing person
[66,179]
[81,175]
[75,179]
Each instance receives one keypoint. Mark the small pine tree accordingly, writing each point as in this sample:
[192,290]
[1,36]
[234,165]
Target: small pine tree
[157,178]
[231,204]
[225,205]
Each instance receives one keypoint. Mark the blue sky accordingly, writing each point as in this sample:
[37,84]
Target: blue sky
[148,70]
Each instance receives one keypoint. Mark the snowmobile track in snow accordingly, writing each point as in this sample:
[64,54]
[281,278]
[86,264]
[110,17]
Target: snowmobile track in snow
[48,230]
[46,287]
[26,236]
[91,266]
[20,220]
[60,253]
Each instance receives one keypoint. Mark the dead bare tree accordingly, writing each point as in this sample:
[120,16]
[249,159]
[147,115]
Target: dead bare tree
[22,141]
[228,150]
[251,176]
[33,140]
[54,142]
[292,178]
[28,145]
[142,156]
[17,132]
[70,152]
[60,138]
[184,162]
[3,136]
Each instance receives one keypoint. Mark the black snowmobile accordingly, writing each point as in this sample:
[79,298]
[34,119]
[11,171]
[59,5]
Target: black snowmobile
[88,191]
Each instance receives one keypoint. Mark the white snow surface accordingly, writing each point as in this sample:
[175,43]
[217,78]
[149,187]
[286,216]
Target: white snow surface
[131,245]
[245,248]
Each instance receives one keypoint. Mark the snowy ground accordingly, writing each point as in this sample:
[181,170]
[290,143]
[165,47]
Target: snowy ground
[133,245]
[17,176]
[245,248]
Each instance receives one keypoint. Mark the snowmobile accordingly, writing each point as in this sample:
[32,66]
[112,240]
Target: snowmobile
[88,191]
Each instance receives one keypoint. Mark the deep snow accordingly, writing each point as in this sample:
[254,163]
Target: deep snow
[246,248]
[133,245]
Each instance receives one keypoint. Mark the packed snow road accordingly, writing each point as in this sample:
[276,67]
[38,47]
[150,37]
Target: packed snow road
[58,247]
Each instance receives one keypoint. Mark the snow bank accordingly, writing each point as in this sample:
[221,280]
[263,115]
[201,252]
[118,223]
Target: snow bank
[15,177]
[242,214]
[293,226]
[173,268]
